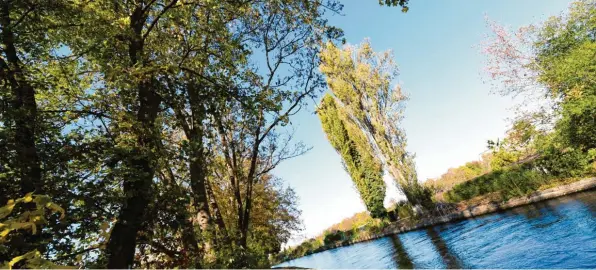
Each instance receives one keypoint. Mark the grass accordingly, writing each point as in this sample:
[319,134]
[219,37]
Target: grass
[523,179]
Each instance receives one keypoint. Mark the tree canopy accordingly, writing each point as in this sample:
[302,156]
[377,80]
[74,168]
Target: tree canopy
[155,125]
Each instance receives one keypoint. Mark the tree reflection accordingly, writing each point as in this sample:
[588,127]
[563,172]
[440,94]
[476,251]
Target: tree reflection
[450,260]
[400,255]
[588,199]
[541,214]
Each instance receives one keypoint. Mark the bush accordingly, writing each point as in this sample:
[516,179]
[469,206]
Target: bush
[376,226]
[522,179]
[570,163]
[420,194]
[404,211]
[333,237]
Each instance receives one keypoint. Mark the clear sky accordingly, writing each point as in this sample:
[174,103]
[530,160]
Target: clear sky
[451,113]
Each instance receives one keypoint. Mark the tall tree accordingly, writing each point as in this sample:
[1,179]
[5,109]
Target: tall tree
[363,84]
[16,20]
[250,131]
[31,72]
[359,161]
[123,49]
[207,58]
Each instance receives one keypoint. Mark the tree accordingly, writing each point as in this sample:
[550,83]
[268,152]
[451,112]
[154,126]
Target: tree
[362,81]
[208,58]
[551,62]
[249,129]
[357,155]
[33,75]
[566,50]
[123,53]
[274,219]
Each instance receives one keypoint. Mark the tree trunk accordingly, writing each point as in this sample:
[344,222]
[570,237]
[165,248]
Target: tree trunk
[244,217]
[189,240]
[137,186]
[23,110]
[197,183]
[138,183]
[223,232]
[198,178]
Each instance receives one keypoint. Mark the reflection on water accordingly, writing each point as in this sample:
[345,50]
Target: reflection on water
[400,255]
[450,260]
[559,233]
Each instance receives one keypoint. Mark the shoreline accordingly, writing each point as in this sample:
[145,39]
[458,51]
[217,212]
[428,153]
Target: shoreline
[475,211]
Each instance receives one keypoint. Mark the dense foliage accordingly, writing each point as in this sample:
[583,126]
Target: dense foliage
[518,146]
[156,125]
[364,168]
[522,179]
[566,66]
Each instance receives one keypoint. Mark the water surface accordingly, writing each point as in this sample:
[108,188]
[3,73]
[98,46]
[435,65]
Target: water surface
[558,233]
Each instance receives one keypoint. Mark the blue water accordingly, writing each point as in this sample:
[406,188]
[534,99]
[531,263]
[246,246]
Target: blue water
[559,233]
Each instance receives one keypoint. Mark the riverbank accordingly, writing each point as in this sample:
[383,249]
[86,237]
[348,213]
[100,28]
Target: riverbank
[551,234]
[472,211]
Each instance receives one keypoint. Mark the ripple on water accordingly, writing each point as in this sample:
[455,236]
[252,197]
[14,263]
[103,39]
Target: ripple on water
[559,233]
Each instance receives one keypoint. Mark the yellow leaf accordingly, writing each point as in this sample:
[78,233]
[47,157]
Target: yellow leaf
[4,233]
[17,259]
[28,197]
[6,210]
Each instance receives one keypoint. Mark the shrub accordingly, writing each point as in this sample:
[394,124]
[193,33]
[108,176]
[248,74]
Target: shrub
[333,237]
[404,211]
[522,179]
[419,194]
[570,163]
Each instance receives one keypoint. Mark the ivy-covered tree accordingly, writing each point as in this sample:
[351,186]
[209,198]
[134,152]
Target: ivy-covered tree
[363,83]
[351,143]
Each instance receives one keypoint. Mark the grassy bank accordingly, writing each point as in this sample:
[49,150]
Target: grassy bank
[522,179]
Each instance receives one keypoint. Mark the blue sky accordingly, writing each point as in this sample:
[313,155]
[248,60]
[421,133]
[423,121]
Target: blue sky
[451,113]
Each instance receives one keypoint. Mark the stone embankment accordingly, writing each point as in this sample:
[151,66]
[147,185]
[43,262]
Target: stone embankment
[479,210]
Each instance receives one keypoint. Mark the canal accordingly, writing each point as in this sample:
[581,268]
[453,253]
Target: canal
[558,233]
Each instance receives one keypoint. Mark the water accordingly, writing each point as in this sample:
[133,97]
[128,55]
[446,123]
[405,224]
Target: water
[559,233]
